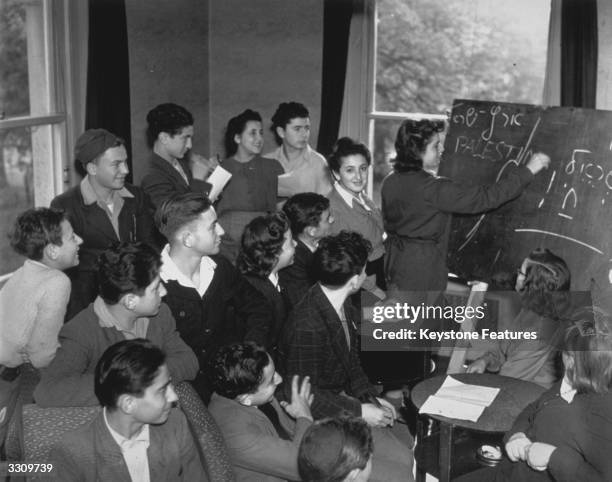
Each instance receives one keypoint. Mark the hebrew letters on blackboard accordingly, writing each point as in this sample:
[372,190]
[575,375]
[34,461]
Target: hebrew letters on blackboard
[567,208]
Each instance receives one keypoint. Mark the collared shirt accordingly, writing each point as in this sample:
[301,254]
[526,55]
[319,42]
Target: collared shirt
[349,198]
[134,451]
[112,210]
[169,271]
[273,277]
[107,320]
[566,391]
[309,172]
[336,298]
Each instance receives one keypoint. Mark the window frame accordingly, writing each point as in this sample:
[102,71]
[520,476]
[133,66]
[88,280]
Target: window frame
[50,32]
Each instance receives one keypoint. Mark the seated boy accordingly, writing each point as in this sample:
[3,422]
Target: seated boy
[128,306]
[320,340]
[33,301]
[310,220]
[138,435]
[212,301]
[336,449]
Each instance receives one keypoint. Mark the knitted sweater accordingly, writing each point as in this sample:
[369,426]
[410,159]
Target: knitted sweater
[32,307]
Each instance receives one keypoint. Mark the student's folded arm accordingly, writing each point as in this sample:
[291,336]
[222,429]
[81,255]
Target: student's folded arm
[64,382]
[253,450]
[567,465]
[51,309]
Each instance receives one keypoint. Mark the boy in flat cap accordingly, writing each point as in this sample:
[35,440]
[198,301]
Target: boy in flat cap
[103,209]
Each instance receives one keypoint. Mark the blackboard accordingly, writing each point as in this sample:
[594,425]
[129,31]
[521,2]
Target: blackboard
[567,209]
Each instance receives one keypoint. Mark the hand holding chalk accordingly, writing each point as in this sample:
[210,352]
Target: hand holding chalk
[538,161]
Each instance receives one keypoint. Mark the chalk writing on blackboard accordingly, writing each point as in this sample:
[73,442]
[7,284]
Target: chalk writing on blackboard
[562,236]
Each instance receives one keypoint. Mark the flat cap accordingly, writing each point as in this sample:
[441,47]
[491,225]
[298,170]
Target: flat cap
[92,143]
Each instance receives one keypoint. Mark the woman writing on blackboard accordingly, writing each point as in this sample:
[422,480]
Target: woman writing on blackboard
[543,282]
[417,206]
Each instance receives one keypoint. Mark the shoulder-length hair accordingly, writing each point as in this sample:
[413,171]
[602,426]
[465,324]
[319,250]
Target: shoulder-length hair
[410,143]
[261,244]
[547,282]
[235,127]
[588,343]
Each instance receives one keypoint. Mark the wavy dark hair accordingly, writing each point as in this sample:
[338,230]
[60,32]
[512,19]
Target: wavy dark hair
[332,447]
[238,369]
[178,211]
[588,342]
[547,282]
[410,143]
[338,258]
[235,127]
[285,112]
[127,367]
[36,228]
[304,210]
[169,118]
[261,244]
[126,268]
[347,147]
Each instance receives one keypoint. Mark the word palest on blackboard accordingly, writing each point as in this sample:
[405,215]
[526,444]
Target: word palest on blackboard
[567,208]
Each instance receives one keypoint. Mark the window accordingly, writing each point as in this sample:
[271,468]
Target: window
[32,112]
[429,52]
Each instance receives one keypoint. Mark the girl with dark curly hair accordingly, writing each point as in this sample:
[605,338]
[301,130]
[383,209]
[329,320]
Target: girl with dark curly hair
[417,206]
[543,282]
[267,247]
[251,191]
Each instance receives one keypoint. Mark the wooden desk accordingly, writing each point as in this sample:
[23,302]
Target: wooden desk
[513,397]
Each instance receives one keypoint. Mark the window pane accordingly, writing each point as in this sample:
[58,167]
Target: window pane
[16,188]
[430,52]
[24,87]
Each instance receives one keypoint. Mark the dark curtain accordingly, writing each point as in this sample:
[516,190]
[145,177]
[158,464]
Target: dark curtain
[578,53]
[336,28]
[108,72]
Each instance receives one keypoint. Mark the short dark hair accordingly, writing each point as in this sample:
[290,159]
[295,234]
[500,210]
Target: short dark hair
[410,143]
[126,268]
[127,367]
[261,244]
[34,229]
[169,118]
[338,258]
[235,127]
[588,341]
[305,210]
[178,211]
[331,448]
[238,369]
[547,282]
[283,115]
[347,147]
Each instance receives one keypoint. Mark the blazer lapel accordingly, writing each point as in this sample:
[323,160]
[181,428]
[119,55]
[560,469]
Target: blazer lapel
[168,170]
[97,221]
[110,464]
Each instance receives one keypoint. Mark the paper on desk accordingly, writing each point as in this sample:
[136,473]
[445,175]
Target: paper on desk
[459,400]
[219,178]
